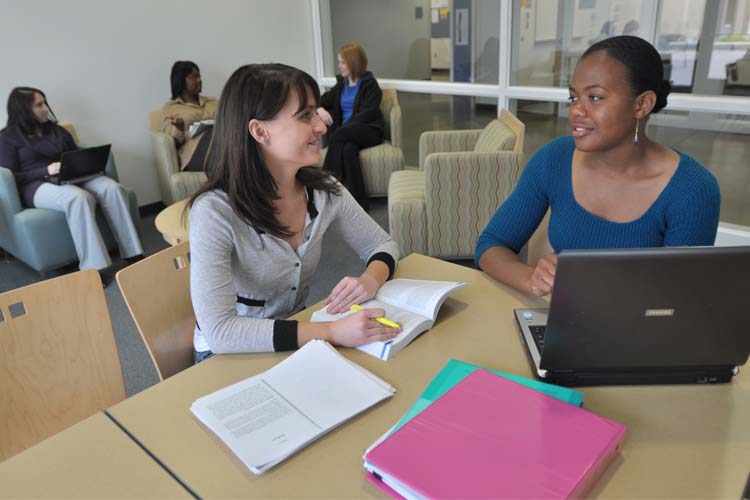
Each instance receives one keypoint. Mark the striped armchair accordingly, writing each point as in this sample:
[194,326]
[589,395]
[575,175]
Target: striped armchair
[379,162]
[174,184]
[463,177]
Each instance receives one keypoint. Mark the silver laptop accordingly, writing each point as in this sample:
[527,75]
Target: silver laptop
[81,165]
[642,316]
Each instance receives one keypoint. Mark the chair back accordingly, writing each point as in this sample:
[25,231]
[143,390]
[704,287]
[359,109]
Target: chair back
[157,292]
[732,235]
[517,126]
[538,245]
[391,116]
[153,118]
[71,130]
[58,359]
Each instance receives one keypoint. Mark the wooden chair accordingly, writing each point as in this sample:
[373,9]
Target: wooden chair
[58,359]
[157,292]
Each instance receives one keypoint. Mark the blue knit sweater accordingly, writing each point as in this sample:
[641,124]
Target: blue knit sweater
[686,213]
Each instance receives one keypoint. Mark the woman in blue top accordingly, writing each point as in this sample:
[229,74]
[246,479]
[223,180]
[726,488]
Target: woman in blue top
[609,185]
[351,110]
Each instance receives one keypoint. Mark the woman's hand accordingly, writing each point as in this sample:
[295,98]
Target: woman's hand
[351,290]
[325,116]
[53,168]
[543,278]
[360,328]
[178,122]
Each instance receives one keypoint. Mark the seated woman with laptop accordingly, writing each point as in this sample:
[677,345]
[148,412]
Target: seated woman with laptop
[609,185]
[185,108]
[257,225]
[31,146]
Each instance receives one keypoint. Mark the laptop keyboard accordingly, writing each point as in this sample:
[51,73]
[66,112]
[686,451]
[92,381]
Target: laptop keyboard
[537,333]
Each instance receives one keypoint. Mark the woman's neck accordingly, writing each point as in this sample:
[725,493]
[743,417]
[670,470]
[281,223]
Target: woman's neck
[352,81]
[622,158]
[192,98]
[286,181]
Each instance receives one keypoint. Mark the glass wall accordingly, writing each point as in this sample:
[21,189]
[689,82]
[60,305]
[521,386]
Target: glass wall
[441,40]
[705,46]
[550,35]
[423,112]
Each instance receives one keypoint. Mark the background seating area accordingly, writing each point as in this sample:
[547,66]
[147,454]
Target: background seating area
[40,237]
[464,175]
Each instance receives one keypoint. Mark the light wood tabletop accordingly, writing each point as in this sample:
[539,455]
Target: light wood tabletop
[682,441]
[92,459]
[171,224]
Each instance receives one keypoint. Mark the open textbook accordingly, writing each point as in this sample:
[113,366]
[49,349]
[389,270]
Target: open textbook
[266,418]
[200,127]
[412,303]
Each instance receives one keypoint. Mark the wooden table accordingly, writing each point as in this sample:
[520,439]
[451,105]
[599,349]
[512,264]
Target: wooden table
[169,222]
[92,459]
[682,441]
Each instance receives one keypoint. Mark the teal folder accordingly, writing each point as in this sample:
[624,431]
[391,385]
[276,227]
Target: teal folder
[455,371]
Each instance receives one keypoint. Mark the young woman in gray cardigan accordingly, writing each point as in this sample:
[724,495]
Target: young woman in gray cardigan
[257,225]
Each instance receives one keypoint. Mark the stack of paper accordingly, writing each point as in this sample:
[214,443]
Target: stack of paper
[490,437]
[266,418]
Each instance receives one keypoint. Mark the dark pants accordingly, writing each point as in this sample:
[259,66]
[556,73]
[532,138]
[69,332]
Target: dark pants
[198,160]
[342,159]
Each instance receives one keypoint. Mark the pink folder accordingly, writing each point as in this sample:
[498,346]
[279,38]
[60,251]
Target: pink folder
[489,437]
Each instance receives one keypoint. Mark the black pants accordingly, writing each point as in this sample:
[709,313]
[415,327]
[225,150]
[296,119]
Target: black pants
[198,160]
[342,159]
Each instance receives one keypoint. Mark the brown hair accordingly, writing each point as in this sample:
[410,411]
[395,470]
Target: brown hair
[354,56]
[235,164]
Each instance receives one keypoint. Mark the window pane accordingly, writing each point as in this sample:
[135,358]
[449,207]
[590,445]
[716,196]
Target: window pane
[550,35]
[447,40]
[423,112]
[706,45]
[719,142]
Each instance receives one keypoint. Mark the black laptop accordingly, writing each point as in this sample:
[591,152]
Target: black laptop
[643,316]
[81,165]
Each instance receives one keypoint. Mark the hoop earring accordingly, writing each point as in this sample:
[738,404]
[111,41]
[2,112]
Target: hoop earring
[635,137]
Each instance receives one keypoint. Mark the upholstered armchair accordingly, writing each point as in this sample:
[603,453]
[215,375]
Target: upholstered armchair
[40,237]
[463,177]
[379,162]
[174,184]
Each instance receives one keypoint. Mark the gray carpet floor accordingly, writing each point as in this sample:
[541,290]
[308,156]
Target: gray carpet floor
[338,260]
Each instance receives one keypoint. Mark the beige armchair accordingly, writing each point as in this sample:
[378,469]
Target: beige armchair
[379,162]
[463,177]
[173,184]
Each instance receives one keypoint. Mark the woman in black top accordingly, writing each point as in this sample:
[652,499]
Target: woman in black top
[351,110]
[30,146]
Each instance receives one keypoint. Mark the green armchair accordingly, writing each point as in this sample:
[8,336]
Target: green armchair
[40,237]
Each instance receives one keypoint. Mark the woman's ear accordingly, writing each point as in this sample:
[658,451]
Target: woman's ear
[257,130]
[644,103]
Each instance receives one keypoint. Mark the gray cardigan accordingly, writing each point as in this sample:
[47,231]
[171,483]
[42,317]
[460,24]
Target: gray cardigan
[244,282]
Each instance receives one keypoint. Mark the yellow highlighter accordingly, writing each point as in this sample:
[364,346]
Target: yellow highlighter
[382,321]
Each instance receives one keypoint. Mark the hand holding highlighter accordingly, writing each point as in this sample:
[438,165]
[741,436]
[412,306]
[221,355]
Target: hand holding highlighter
[382,321]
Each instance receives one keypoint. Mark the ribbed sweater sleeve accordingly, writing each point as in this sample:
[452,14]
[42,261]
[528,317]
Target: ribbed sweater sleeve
[693,212]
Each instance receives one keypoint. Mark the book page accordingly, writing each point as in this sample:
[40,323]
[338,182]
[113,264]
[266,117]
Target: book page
[423,297]
[409,322]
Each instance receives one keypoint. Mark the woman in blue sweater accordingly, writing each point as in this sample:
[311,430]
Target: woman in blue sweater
[609,185]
